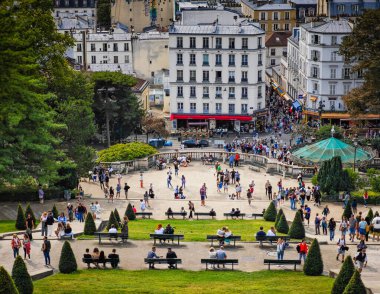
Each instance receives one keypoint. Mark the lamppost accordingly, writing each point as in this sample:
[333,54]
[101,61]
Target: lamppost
[107,109]
[356,146]
[320,110]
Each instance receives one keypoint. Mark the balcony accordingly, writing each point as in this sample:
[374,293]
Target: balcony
[244,47]
[218,46]
[179,63]
[218,95]
[231,64]
[244,96]
[205,80]
[231,80]
[218,80]
[192,63]
[180,110]
[259,79]
[244,80]
[193,111]
[244,111]
[231,111]
[205,63]
[180,79]
[231,96]
[244,64]
[218,111]
[218,63]
[193,80]
[260,63]
[205,111]
[206,95]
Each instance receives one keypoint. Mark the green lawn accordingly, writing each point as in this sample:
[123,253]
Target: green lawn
[196,230]
[179,281]
[8,226]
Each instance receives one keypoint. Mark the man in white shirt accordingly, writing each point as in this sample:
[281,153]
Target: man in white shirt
[376,226]
[271,232]
[113,232]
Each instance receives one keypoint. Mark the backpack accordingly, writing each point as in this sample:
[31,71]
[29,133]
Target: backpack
[298,248]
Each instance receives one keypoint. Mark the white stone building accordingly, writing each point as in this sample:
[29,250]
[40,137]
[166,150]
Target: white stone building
[217,69]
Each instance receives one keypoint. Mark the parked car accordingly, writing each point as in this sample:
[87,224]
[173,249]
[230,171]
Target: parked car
[194,143]
[157,143]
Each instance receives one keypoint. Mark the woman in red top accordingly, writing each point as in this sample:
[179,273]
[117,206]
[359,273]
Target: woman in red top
[365,197]
[16,244]
[303,248]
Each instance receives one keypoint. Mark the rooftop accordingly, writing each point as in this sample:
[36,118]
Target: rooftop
[140,85]
[304,2]
[266,7]
[117,35]
[277,39]
[74,4]
[248,29]
[342,26]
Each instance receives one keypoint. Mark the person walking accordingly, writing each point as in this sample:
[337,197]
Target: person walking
[15,244]
[49,223]
[191,209]
[202,193]
[341,247]
[118,189]
[280,249]
[41,194]
[317,223]
[141,180]
[126,189]
[361,259]
[169,180]
[183,182]
[146,199]
[268,190]
[365,198]
[46,246]
[43,219]
[302,249]
[26,246]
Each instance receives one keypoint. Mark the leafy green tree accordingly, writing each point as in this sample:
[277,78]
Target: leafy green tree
[282,225]
[130,213]
[332,178]
[20,219]
[122,152]
[28,210]
[324,132]
[278,216]
[355,285]
[21,276]
[67,261]
[344,276]
[7,286]
[89,225]
[155,126]
[297,230]
[347,212]
[117,216]
[313,265]
[270,213]
[103,13]
[55,211]
[112,221]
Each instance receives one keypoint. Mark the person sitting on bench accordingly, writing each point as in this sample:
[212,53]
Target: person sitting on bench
[221,254]
[212,213]
[68,231]
[261,233]
[102,258]
[227,235]
[159,230]
[237,212]
[152,254]
[169,230]
[95,256]
[114,257]
[87,255]
[113,232]
[171,254]
[220,233]
[169,212]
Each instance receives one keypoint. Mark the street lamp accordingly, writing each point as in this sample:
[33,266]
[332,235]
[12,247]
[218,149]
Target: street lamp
[107,108]
[320,110]
[356,146]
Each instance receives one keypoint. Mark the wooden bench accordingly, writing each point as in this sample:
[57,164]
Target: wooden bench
[214,262]
[183,214]
[232,215]
[166,237]
[270,239]
[113,261]
[153,261]
[255,215]
[285,261]
[144,214]
[197,214]
[110,236]
[231,238]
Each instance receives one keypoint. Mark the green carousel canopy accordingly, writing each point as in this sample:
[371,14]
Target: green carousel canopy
[327,149]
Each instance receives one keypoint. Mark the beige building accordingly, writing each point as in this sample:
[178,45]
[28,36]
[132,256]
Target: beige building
[141,90]
[136,13]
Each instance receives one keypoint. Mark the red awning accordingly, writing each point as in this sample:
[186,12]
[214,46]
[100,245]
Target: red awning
[210,116]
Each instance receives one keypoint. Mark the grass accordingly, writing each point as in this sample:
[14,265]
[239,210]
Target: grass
[196,230]
[179,281]
[10,226]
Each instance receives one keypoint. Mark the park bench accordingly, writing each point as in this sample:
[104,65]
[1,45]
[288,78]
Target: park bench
[285,261]
[166,237]
[66,237]
[113,261]
[255,215]
[231,238]
[214,262]
[172,214]
[110,236]
[270,239]
[153,261]
[197,214]
[232,215]
[144,214]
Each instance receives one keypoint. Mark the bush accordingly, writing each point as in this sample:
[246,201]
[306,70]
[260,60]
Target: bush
[25,195]
[270,213]
[117,216]
[313,265]
[370,214]
[67,261]
[282,225]
[28,210]
[20,220]
[324,132]
[374,179]
[7,286]
[89,225]
[278,216]
[122,152]
[297,230]
[344,276]
[354,178]
[347,211]
[130,213]
[314,179]
[355,286]
[55,211]
[112,221]
[21,276]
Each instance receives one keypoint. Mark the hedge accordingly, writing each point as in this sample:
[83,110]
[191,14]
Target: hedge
[117,216]
[67,261]
[123,152]
[282,225]
[55,211]
[28,210]
[270,213]
[112,221]
[20,219]
[22,195]
[297,230]
[89,225]
[355,286]
[278,217]
[130,213]
[344,276]
[347,212]
[6,283]
[313,265]
[372,199]
[21,276]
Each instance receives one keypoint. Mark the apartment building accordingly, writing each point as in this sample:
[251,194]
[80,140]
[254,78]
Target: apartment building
[346,8]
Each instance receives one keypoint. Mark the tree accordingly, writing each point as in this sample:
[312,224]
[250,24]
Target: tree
[355,285]
[324,132]
[55,211]
[370,214]
[270,213]
[20,219]
[28,210]
[89,225]
[123,152]
[282,225]
[21,277]
[297,230]
[130,213]
[278,216]
[7,286]
[154,125]
[313,265]
[344,276]
[112,221]
[332,178]
[103,13]
[362,49]
[347,212]
[67,261]
[117,216]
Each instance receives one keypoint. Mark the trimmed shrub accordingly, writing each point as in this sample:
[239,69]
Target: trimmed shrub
[21,276]
[20,220]
[67,261]
[55,211]
[278,216]
[112,221]
[282,225]
[344,276]
[355,286]
[313,265]
[28,210]
[129,212]
[270,213]
[370,214]
[7,286]
[347,211]
[89,225]
[117,216]
[122,152]
[297,230]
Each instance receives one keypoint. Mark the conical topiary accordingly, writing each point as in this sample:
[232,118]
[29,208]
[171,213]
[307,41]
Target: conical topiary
[55,211]
[117,216]
[347,211]
[282,225]
[313,265]
[21,276]
[67,261]
[89,225]
[370,214]
[7,286]
[28,210]
[344,276]
[112,221]
[355,286]
[20,220]
[270,213]
[278,216]
[130,213]
[297,230]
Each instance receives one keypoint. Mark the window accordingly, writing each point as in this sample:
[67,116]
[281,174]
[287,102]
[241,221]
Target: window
[192,42]
[346,88]
[193,76]
[244,108]
[260,59]
[179,75]
[273,62]
[179,59]
[231,92]
[315,55]
[206,92]
[192,59]
[333,56]
[179,42]
[244,60]
[244,43]
[346,73]
[205,59]
[193,107]
[340,8]
[334,40]
[231,76]
[231,108]
[93,59]
[218,59]
[126,47]
[115,47]
[273,52]
[314,72]
[275,15]
[333,73]
[206,76]
[116,59]
[93,47]
[218,92]
[360,73]
[355,8]
[244,92]
[275,26]
[263,26]
[287,15]
[332,89]
[259,76]
[79,59]
[180,107]
[259,95]
[206,107]
[332,104]
[218,108]
[286,27]
[126,58]
[192,92]
[259,42]
[105,47]
[218,76]
[262,16]
[205,43]
[315,87]
[179,91]
[218,43]
[231,43]
[231,60]
[79,47]
[315,39]
[244,76]
[259,105]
